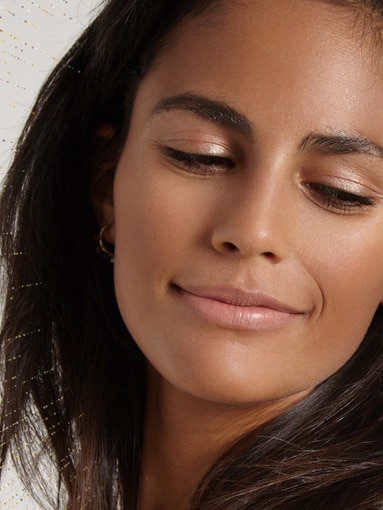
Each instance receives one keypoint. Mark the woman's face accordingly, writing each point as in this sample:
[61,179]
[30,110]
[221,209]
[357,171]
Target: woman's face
[248,201]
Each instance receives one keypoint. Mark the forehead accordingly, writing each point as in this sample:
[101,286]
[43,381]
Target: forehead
[245,26]
[306,56]
[361,20]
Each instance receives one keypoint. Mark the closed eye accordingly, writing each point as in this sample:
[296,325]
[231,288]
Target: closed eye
[199,164]
[337,199]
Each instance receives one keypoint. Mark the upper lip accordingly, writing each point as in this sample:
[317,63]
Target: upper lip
[240,297]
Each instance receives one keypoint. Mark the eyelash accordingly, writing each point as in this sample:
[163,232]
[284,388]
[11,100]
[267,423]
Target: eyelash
[199,164]
[338,200]
[330,198]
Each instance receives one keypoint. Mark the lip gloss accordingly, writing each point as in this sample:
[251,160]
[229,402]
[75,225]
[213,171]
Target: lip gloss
[253,317]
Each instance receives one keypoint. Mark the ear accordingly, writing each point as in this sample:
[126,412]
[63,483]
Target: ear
[101,197]
[101,187]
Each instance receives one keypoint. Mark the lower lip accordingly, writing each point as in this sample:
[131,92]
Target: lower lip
[246,318]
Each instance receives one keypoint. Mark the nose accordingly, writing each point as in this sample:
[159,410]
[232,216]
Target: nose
[254,218]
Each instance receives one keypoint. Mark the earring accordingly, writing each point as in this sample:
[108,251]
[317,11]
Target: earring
[102,245]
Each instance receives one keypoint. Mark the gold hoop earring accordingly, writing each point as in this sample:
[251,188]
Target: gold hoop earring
[102,245]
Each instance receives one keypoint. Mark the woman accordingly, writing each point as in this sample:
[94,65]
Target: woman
[227,157]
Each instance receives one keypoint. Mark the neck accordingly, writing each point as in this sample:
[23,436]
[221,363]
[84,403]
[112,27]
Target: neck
[184,435]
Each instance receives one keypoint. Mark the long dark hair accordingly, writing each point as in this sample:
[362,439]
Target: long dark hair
[73,379]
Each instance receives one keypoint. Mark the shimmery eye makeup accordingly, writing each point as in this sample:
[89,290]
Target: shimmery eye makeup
[196,163]
[337,200]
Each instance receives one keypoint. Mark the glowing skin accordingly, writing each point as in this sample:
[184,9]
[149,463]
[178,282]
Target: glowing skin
[247,278]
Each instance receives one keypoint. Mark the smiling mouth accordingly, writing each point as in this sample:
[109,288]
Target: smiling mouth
[233,308]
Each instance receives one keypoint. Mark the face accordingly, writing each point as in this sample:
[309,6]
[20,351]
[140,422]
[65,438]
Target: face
[248,201]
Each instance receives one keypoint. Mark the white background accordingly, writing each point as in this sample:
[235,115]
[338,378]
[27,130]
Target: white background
[33,37]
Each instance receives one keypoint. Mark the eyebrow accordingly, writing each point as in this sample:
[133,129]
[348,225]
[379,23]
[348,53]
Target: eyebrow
[341,144]
[209,109]
[222,114]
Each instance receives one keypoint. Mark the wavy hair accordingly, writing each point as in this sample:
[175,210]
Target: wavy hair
[73,381]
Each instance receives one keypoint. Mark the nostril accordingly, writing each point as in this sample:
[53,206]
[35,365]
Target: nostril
[230,246]
[269,254]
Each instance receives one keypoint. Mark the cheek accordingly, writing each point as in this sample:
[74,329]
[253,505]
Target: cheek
[157,227]
[150,221]
[349,268]
[349,273]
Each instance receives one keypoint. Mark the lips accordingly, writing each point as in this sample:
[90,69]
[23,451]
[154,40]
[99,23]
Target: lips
[234,308]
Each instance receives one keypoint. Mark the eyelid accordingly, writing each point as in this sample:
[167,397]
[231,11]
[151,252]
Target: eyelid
[201,164]
[349,172]
[337,199]
[197,145]
[195,154]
